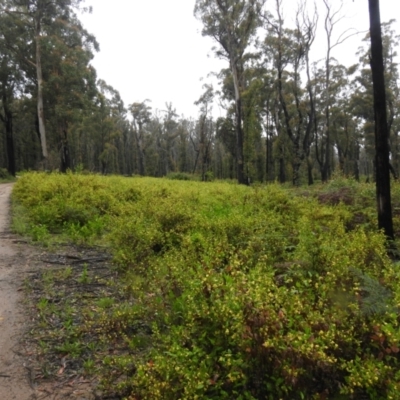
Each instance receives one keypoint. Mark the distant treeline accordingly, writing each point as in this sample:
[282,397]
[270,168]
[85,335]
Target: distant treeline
[287,117]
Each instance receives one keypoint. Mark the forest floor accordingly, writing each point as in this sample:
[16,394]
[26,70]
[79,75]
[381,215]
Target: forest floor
[20,377]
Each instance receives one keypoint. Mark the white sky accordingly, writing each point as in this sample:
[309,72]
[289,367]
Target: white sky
[153,49]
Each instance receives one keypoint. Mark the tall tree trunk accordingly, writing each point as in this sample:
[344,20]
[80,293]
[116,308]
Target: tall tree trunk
[307,141]
[65,150]
[310,171]
[242,179]
[356,161]
[196,161]
[269,162]
[282,167]
[381,128]
[325,173]
[8,125]
[39,73]
[10,144]
[139,147]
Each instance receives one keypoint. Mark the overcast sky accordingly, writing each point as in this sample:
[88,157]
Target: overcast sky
[153,49]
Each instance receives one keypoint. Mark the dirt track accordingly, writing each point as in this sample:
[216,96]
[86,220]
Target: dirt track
[14,375]
[19,369]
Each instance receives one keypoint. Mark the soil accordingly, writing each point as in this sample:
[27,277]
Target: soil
[15,380]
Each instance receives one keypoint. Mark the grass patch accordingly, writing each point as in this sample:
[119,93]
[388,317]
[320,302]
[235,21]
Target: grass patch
[71,305]
[218,291]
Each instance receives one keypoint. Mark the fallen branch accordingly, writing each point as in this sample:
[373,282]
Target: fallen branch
[91,260]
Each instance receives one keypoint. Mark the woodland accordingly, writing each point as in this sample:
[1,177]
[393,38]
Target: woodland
[299,119]
[232,258]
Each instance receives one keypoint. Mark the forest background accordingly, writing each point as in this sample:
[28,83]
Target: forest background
[303,113]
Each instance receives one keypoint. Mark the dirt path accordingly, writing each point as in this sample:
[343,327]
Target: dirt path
[14,375]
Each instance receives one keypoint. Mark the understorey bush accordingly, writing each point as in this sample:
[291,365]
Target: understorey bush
[233,292]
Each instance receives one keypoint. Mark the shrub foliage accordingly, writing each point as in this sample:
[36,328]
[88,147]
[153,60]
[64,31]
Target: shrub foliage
[233,292]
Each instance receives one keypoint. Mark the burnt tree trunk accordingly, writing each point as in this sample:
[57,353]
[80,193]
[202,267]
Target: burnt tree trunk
[381,127]
[64,149]
[10,144]
[7,120]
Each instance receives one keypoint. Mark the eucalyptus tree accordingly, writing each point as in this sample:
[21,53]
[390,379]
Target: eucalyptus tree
[226,135]
[184,138]
[233,25]
[26,134]
[11,80]
[70,87]
[205,132]
[346,133]
[307,25]
[362,94]
[103,129]
[325,140]
[252,113]
[170,131]
[7,93]
[254,148]
[141,115]
[41,19]
[288,50]
[328,86]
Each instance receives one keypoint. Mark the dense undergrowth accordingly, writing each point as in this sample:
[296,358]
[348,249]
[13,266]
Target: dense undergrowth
[226,291]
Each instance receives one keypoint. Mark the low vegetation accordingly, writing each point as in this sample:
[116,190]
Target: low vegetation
[5,176]
[216,291]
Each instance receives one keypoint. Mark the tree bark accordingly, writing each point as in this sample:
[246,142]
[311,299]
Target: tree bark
[383,197]
[39,73]
[10,144]
[7,120]
[139,146]
[242,179]
[65,150]
[325,173]
[310,172]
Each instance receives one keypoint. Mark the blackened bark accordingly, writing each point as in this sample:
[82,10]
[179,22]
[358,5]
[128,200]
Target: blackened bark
[356,167]
[269,163]
[282,170]
[7,120]
[10,145]
[141,160]
[310,172]
[139,146]
[65,151]
[381,127]
[308,137]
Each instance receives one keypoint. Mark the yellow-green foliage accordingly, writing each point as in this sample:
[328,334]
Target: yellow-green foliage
[244,293]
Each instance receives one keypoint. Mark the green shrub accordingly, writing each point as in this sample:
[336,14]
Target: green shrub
[234,292]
